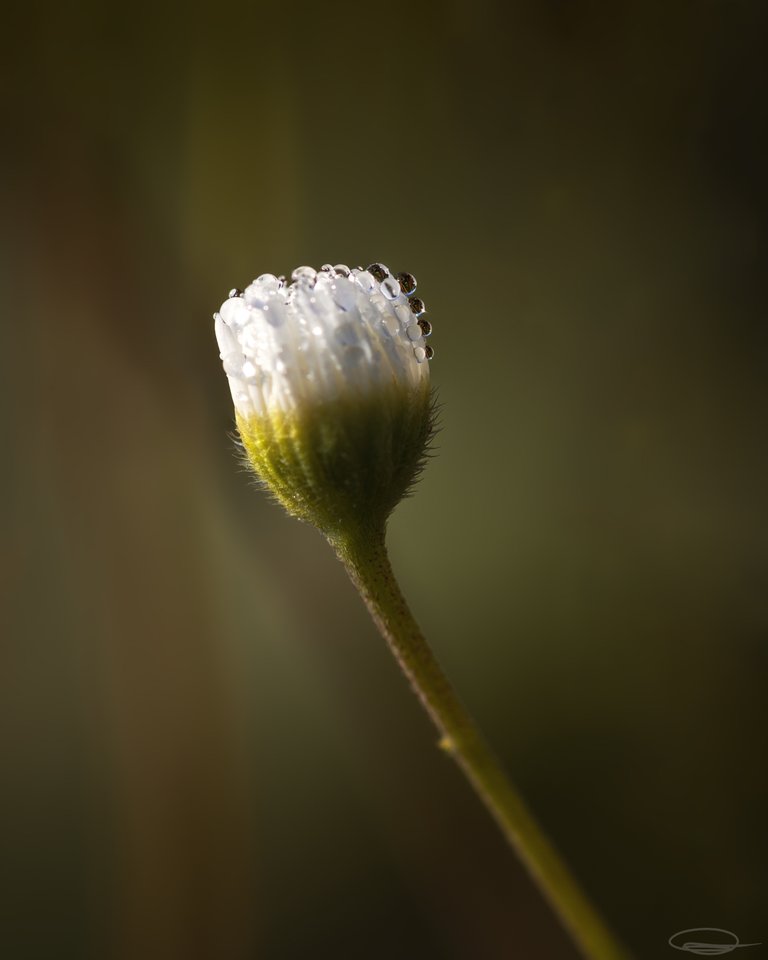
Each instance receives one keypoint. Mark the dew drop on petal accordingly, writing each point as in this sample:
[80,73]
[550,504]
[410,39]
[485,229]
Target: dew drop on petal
[421,354]
[324,282]
[426,326]
[342,269]
[407,283]
[234,312]
[379,303]
[365,281]
[404,314]
[390,288]
[263,287]
[413,332]
[225,336]
[235,292]
[429,351]
[417,306]
[257,294]
[378,270]
[304,274]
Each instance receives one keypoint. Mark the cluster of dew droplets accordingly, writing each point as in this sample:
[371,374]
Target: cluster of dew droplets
[282,343]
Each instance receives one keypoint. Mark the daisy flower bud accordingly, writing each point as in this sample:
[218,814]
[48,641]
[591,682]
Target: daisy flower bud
[329,376]
[330,379]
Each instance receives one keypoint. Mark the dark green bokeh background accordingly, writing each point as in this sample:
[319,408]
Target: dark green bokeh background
[207,751]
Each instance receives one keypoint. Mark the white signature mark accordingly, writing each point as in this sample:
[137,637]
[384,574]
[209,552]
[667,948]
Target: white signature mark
[706,948]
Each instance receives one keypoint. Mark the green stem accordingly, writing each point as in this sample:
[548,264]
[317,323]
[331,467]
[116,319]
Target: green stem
[366,560]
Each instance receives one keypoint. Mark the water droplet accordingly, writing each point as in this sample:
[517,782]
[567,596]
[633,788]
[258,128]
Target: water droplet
[380,303]
[390,288]
[426,326]
[429,351]
[327,268]
[304,275]
[235,292]
[234,312]
[407,283]
[378,270]
[417,306]
[324,287]
[257,294]
[226,340]
[413,332]
[403,312]
[343,269]
[421,354]
[365,281]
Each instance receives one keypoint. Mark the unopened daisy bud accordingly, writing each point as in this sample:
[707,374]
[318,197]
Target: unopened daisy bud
[329,376]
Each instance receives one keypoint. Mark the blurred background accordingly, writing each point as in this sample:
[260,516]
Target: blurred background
[207,750]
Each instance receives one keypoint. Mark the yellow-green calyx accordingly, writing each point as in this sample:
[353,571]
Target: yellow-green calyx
[330,381]
[343,464]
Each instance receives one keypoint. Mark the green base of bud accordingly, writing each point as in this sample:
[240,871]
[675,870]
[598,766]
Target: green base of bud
[343,464]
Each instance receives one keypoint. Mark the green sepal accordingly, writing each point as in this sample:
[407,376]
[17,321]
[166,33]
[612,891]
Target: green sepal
[345,463]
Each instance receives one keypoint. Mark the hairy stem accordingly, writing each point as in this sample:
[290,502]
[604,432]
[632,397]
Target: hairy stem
[365,558]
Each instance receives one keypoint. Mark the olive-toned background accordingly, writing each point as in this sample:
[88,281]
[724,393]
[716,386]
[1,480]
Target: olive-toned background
[207,751]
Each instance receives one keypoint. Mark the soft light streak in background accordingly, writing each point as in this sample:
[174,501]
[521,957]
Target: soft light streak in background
[206,749]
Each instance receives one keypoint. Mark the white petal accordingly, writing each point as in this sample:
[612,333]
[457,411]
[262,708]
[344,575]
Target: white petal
[286,346]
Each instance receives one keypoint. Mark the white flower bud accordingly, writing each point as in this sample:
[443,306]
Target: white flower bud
[324,335]
[330,382]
